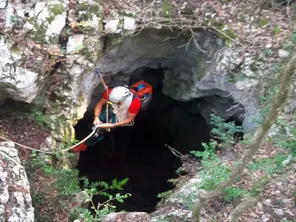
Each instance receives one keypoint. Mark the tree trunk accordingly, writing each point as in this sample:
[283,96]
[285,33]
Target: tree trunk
[279,100]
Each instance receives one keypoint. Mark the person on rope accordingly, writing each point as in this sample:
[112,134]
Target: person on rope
[125,107]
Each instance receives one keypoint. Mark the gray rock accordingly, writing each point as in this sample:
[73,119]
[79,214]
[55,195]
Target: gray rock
[127,217]
[15,199]
[75,44]
[129,23]
[111,26]
[278,212]
[17,82]
[53,15]
[283,53]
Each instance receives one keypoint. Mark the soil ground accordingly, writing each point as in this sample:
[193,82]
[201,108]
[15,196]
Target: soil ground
[18,123]
[277,201]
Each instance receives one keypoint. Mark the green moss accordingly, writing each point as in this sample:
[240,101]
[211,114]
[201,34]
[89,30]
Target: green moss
[31,20]
[242,17]
[39,36]
[276,30]
[87,55]
[88,10]
[126,13]
[166,8]
[56,9]
[94,9]
[85,17]
[82,27]
[14,48]
[224,32]
[262,22]
[213,22]
[228,33]
[82,7]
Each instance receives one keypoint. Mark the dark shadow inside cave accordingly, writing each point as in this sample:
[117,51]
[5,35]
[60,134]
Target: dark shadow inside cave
[138,152]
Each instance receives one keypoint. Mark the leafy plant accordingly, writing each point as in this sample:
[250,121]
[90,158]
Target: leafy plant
[40,119]
[164,194]
[224,131]
[66,183]
[230,193]
[268,165]
[103,189]
[209,151]
[276,30]
[213,171]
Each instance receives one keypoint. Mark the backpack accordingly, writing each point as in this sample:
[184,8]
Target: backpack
[143,91]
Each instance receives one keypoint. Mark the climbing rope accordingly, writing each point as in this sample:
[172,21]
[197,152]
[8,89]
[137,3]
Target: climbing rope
[98,72]
[50,153]
[95,128]
[26,147]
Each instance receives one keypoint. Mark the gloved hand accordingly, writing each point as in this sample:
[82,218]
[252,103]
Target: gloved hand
[97,121]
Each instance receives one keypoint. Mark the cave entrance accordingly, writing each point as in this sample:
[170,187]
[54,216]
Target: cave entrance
[138,152]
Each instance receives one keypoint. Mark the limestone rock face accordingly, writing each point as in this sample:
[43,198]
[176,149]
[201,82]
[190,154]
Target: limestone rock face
[45,35]
[16,82]
[189,72]
[15,198]
[71,35]
[20,76]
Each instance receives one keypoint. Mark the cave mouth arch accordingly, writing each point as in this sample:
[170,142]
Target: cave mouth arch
[139,152]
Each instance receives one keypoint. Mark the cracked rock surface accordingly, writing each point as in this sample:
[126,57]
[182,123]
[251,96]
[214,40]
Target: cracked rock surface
[15,198]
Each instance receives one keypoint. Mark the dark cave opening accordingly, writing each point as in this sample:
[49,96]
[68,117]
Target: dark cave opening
[139,152]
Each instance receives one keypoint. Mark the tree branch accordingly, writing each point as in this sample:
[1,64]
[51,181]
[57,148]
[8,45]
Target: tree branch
[258,186]
[244,205]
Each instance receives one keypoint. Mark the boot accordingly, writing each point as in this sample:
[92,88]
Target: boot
[80,147]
